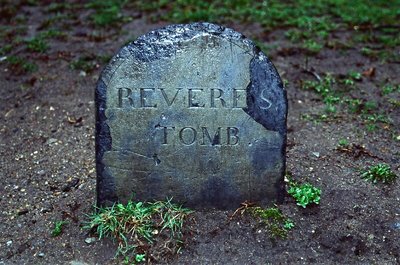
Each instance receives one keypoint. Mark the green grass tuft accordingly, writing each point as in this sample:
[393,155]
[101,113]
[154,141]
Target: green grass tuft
[137,224]
[108,12]
[308,22]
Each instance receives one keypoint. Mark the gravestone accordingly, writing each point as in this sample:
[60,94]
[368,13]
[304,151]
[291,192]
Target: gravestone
[192,112]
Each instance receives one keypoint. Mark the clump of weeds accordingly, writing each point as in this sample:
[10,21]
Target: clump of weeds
[143,230]
[379,173]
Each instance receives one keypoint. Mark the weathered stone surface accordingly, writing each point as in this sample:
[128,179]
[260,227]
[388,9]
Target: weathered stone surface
[195,112]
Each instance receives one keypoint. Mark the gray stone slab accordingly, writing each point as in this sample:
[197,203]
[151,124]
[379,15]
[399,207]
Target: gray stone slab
[195,112]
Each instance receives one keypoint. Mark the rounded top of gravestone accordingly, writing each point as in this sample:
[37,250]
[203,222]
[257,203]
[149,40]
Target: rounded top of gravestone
[168,41]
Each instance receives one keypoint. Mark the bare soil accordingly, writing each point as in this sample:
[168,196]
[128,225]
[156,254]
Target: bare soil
[47,167]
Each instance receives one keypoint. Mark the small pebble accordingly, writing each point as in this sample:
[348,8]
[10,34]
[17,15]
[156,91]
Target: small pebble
[41,254]
[316,154]
[9,243]
[90,240]
[51,141]
[76,262]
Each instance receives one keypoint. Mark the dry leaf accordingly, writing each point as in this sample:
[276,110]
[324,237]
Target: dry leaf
[369,72]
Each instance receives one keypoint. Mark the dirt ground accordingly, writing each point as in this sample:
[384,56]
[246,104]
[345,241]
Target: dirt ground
[47,167]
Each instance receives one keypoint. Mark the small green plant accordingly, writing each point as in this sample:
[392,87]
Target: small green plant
[88,63]
[56,18]
[59,7]
[394,102]
[276,223]
[312,46]
[296,35]
[383,55]
[304,194]
[343,142]
[350,80]
[85,63]
[53,33]
[354,105]
[379,173]
[316,118]
[371,120]
[355,75]
[58,228]
[329,108]
[369,106]
[140,258]
[368,52]
[136,224]
[388,89]
[6,49]
[107,12]
[37,44]
[20,65]
[288,224]
[324,88]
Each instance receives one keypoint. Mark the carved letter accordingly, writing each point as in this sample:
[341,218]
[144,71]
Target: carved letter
[166,133]
[144,100]
[192,97]
[216,140]
[268,103]
[183,139]
[169,103]
[236,98]
[128,96]
[213,97]
[232,134]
